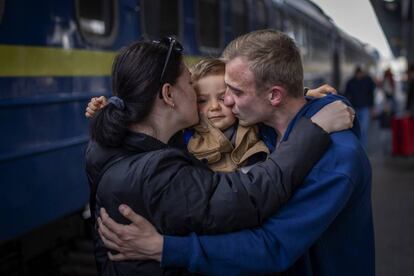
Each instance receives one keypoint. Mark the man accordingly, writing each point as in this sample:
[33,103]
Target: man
[360,92]
[326,227]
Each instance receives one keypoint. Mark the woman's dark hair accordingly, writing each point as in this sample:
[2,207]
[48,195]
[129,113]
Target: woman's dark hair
[136,80]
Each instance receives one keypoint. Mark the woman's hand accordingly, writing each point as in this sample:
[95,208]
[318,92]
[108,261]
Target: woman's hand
[136,241]
[321,91]
[94,105]
[335,116]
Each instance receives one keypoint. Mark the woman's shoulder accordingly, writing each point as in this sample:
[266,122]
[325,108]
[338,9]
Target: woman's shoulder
[98,157]
[170,161]
[170,154]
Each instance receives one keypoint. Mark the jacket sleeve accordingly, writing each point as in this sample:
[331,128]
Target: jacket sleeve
[274,246]
[184,198]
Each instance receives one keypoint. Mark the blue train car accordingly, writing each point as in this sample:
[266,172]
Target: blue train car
[47,73]
[56,55]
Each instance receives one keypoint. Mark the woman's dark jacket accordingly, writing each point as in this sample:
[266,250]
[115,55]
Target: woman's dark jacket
[179,194]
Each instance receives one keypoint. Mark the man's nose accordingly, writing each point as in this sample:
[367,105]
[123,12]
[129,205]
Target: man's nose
[228,98]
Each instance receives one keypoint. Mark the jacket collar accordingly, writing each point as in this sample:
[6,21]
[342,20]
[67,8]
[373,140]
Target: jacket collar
[141,142]
[313,105]
[210,143]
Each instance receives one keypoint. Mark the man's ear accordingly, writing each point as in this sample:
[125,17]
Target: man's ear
[276,95]
[167,94]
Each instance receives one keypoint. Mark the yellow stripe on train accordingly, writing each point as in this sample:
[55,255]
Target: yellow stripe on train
[31,61]
[28,61]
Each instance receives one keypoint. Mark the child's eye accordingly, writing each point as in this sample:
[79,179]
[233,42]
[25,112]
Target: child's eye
[221,98]
[201,101]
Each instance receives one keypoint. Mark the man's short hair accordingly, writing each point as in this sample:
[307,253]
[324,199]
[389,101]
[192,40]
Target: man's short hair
[207,67]
[273,58]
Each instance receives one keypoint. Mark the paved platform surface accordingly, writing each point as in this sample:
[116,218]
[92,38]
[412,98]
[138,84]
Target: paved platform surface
[393,207]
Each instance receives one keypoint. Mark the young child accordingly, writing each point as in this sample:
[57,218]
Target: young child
[218,139]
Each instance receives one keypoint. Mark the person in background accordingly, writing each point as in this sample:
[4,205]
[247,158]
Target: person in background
[409,106]
[388,86]
[360,92]
[326,228]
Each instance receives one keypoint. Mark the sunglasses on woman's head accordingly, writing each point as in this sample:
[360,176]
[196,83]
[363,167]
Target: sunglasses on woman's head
[172,44]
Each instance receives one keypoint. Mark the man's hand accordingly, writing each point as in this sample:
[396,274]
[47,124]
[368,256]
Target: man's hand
[136,241]
[94,105]
[321,91]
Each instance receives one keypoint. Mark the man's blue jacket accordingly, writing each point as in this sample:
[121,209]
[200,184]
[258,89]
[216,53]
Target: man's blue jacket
[326,227]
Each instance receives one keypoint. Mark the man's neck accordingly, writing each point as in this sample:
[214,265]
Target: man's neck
[280,119]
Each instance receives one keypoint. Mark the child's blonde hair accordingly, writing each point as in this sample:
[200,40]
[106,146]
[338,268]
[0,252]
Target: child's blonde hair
[207,67]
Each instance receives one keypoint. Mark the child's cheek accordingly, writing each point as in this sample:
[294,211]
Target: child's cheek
[202,109]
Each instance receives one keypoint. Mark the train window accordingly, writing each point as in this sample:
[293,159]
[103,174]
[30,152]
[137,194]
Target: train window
[300,34]
[261,15]
[160,18]
[208,12]
[239,19]
[288,27]
[97,20]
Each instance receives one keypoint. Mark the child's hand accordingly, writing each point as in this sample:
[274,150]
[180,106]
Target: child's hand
[94,105]
[321,91]
[335,116]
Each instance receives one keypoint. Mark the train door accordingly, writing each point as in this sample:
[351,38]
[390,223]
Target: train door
[160,18]
[239,18]
[209,26]
[1,9]
[276,17]
[261,9]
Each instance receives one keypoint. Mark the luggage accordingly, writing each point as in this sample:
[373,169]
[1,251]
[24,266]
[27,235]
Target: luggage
[403,136]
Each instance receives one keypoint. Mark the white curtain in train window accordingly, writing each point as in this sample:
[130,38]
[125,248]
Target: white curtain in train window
[96,17]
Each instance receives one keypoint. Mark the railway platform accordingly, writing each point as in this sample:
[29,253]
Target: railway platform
[393,206]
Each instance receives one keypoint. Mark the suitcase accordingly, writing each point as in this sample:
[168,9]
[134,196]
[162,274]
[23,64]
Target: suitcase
[403,136]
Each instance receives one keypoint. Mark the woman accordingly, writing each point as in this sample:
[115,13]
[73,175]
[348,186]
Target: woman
[131,161]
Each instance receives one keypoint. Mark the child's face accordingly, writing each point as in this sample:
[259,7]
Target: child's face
[210,99]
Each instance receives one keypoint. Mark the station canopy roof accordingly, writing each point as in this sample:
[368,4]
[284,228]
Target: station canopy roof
[396,19]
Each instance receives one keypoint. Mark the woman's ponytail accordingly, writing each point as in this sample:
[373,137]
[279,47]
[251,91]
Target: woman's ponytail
[136,73]
[109,126]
